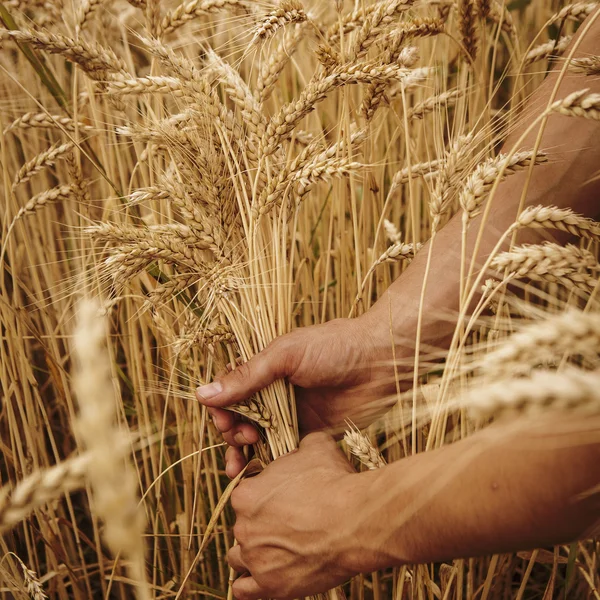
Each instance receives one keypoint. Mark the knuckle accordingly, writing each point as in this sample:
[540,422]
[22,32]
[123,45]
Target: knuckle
[240,497]
[239,531]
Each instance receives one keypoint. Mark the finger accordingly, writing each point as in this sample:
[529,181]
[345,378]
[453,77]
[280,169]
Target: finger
[235,461]
[275,362]
[246,588]
[223,419]
[244,434]
[234,558]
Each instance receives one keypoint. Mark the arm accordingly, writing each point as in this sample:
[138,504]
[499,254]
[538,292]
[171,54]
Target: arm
[568,179]
[477,496]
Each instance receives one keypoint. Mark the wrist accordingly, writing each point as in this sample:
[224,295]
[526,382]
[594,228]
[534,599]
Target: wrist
[364,545]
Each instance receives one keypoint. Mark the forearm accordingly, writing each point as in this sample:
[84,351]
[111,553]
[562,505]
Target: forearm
[568,179]
[479,496]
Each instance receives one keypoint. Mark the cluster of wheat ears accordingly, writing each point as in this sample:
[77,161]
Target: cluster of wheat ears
[183,183]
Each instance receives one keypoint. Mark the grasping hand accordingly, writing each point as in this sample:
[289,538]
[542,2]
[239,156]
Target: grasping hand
[335,368]
[296,524]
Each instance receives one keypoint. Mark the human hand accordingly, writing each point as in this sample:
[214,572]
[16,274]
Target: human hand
[297,523]
[335,369]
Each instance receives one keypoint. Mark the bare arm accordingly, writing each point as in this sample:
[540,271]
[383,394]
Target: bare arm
[504,489]
[568,179]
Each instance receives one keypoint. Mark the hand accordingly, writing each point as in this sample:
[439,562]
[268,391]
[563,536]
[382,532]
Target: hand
[296,524]
[335,371]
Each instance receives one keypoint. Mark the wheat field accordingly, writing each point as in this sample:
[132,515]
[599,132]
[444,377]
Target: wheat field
[184,183]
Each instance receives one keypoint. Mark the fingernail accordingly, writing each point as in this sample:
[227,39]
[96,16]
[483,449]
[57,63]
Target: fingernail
[206,392]
[239,438]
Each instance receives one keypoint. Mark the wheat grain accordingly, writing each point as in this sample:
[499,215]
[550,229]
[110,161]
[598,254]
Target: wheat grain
[112,480]
[434,103]
[376,23]
[41,487]
[276,60]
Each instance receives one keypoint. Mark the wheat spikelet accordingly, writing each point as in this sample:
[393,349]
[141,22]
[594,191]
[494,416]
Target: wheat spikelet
[501,15]
[588,66]
[549,262]
[239,92]
[44,120]
[41,487]
[466,26]
[361,447]
[579,104]
[434,103]
[568,390]
[93,58]
[427,170]
[480,181]
[483,8]
[564,219]
[144,242]
[254,411]
[550,48]
[288,11]
[193,9]
[543,341]
[276,60]
[391,231]
[376,23]
[112,480]
[283,123]
[30,579]
[396,52]
[309,167]
[44,159]
[84,13]
[61,192]
[449,170]
[578,11]
[575,332]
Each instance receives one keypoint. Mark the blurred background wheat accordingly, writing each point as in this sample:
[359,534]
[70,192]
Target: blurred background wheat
[216,173]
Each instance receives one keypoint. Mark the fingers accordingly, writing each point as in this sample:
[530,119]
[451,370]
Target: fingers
[260,371]
[246,588]
[234,558]
[235,461]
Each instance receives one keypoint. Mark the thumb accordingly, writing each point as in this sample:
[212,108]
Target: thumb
[248,378]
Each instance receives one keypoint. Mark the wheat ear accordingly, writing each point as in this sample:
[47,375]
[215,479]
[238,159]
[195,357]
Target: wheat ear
[564,219]
[360,445]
